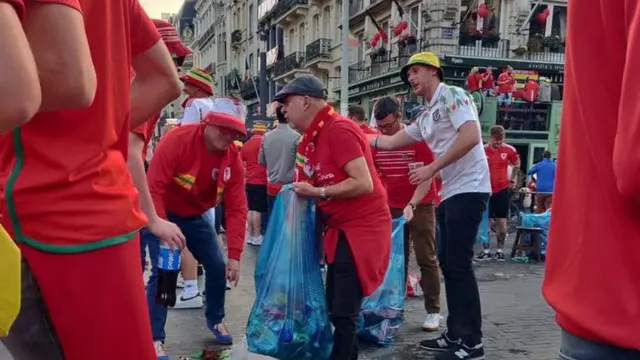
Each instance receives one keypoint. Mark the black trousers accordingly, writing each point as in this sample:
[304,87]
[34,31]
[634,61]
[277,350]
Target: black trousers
[344,297]
[459,219]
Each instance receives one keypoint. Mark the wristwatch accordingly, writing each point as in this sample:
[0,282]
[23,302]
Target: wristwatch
[323,192]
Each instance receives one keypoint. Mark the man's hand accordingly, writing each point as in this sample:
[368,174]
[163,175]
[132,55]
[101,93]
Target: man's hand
[306,189]
[419,175]
[408,212]
[167,232]
[233,271]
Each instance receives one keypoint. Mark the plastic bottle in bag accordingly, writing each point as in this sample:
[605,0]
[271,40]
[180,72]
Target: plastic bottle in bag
[168,270]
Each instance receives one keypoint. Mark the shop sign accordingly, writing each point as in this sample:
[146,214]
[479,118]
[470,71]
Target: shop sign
[375,85]
[498,63]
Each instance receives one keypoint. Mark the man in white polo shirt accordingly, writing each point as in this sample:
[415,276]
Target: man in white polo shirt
[451,128]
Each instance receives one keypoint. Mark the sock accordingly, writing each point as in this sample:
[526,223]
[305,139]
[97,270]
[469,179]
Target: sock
[190,288]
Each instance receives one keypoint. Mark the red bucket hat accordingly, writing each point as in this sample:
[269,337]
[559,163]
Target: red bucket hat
[227,113]
[171,39]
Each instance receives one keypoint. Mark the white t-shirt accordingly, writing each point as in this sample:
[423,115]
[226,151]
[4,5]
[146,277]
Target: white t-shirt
[449,108]
[195,110]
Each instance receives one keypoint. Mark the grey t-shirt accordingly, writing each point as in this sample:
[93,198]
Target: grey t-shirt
[278,154]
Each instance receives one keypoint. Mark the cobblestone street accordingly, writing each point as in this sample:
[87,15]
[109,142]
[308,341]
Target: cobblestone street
[517,325]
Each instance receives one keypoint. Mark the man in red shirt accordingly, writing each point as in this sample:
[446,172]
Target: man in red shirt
[474,80]
[488,84]
[500,156]
[591,273]
[334,164]
[506,86]
[139,139]
[356,113]
[85,213]
[414,202]
[192,169]
[256,185]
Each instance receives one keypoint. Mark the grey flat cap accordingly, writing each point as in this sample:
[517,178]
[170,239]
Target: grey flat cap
[305,85]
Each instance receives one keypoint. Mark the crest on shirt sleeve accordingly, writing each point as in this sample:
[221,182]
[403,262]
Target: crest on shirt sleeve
[227,174]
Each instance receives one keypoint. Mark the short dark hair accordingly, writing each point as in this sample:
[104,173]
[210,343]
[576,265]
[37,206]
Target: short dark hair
[385,106]
[280,115]
[357,112]
[497,131]
[546,154]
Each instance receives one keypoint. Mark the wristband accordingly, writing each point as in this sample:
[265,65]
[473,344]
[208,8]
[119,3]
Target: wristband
[413,207]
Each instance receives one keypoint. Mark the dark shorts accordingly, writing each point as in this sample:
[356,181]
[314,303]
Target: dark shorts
[499,205]
[257,198]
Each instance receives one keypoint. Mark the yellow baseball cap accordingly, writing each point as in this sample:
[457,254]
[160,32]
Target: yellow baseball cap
[423,58]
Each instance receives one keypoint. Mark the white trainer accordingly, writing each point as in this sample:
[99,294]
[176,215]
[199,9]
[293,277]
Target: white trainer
[180,283]
[192,302]
[257,241]
[161,352]
[431,322]
[250,240]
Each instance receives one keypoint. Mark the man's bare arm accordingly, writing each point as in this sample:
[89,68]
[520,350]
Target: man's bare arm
[155,85]
[19,84]
[60,48]
[384,142]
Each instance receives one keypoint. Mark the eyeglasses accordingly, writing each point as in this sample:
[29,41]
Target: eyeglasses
[388,126]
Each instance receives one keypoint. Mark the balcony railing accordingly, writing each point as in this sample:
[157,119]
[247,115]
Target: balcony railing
[248,89]
[285,6]
[358,72]
[206,37]
[546,56]
[524,116]
[294,61]
[481,48]
[319,49]
[279,68]
[405,54]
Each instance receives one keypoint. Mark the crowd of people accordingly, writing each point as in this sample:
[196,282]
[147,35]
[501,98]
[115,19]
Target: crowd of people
[83,83]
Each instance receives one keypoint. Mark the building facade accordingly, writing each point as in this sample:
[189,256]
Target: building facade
[304,36]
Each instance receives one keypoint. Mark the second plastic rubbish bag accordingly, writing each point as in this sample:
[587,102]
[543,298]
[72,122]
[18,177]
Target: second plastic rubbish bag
[382,313]
[289,319]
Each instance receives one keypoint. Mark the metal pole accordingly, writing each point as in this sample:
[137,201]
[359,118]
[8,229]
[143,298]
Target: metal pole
[264,87]
[344,60]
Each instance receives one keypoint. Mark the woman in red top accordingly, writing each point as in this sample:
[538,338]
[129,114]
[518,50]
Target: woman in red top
[334,164]
[488,83]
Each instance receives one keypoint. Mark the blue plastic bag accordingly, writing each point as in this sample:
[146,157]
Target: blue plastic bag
[275,232]
[484,232]
[382,313]
[537,220]
[289,319]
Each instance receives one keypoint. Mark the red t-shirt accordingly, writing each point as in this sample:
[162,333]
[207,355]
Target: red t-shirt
[64,178]
[365,220]
[438,185]
[368,129]
[256,173]
[499,161]
[592,267]
[531,91]
[145,131]
[508,86]
[183,180]
[393,168]
[488,82]
[473,81]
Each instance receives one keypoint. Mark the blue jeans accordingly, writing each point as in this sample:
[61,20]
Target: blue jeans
[204,245]
[575,348]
